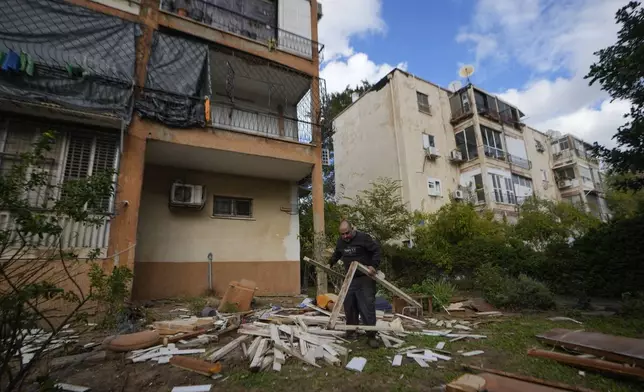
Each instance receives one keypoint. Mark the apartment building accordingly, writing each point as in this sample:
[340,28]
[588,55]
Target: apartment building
[466,145]
[209,113]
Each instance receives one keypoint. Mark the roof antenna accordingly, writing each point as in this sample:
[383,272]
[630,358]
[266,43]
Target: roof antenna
[466,71]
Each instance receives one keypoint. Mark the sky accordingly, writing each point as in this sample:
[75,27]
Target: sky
[532,53]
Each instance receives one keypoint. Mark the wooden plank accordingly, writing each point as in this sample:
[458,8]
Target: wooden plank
[303,346]
[589,363]
[228,348]
[534,380]
[253,347]
[343,293]
[389,286]
[397,361]
[295,354]
[421,362]
[323,267]
[259,354]
[196,365]
[411,319]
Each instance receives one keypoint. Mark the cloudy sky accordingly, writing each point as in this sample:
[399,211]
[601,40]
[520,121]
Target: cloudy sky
[533,53]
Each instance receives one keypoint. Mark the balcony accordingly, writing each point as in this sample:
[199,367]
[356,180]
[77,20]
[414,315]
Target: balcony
[254,96]
[258,23]
[520,162]
[496,153]
[566,183]
[460,114]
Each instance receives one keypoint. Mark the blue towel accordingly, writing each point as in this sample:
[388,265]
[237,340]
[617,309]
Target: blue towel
[11,62]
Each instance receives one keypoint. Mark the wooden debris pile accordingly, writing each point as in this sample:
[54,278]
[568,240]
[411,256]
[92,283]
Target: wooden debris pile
[33,340]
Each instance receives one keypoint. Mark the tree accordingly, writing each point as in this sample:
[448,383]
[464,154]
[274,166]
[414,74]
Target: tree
[36,272]
[380,211]
[619,71]
[623,203]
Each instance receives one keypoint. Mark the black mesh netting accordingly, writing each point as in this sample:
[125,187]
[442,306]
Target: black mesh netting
[59,53]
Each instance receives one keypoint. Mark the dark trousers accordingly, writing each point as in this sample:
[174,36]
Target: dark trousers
[360,302]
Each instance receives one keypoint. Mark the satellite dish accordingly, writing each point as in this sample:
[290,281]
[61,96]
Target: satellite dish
[455,86]
[466,71]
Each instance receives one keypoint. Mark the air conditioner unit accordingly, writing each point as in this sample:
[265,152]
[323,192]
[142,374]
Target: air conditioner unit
[458,195]
[431,152]
[187,195]
[456,156]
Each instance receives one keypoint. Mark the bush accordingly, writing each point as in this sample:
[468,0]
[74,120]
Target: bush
[441,290]
[633,304]
[111,292]
[505,291]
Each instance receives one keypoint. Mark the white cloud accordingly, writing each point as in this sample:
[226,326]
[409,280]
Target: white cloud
[346,18]
[551,37]
[342,21]
[340,74]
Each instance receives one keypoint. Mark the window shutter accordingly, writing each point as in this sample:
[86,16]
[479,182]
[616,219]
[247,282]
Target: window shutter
[78,156]
[426,141]
[105,153]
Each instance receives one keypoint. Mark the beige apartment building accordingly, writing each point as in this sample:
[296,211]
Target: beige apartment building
[464,145]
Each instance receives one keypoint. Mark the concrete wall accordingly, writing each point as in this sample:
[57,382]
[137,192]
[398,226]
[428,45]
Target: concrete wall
[541,162]
[173,245]
[364,144]
[412,123]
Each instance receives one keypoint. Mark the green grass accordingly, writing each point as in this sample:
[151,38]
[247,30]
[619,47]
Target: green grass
[505,349]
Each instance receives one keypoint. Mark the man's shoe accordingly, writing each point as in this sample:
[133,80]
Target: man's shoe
[352,336]
[373,343]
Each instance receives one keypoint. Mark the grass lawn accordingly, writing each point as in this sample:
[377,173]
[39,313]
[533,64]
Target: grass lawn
[505,349]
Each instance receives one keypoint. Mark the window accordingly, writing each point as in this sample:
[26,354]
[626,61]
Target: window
[433,187]
[509,188]
[428,140]
[544,175]
[466,143]
[90,154]
[492,142]
[585,174]
[423,102]
[232,207]
[563,144]
[522,181]
[566,174]
[479,188]
[498,188]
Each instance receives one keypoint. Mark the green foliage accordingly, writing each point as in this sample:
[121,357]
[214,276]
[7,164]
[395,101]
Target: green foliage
[28,284]
[332,218]
[623,203]
[633,304]
[110,291]
[544,222]
[380,211]
[507,292]
[619,71]
[196,305]
[441,290]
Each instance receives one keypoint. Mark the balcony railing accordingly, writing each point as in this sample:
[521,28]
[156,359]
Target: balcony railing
[227,116]
[461,113]
[563,155]
[204,11]
[495,153]
[520,162]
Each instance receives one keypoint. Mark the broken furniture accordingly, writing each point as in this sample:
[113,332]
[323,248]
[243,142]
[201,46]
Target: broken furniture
[238,296]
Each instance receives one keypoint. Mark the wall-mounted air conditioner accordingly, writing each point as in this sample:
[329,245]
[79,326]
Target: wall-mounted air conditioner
[458,195]
[187,195]
[564,183]
[456,156]
[431,152]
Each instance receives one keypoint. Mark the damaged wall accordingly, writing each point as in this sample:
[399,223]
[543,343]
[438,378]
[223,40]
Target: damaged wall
[173,245]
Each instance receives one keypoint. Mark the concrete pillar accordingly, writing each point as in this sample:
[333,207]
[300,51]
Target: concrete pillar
[317,178]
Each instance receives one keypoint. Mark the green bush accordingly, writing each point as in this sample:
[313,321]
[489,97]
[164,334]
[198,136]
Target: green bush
[633,304]
[110,291]
[440,289]
[505,291]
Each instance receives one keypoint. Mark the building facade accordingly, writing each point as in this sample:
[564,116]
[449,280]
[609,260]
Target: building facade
[207,111]
[441,145]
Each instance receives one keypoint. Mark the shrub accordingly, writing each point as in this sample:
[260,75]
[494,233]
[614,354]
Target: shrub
[441,290]
[505,291]
[110,291]
[633,304]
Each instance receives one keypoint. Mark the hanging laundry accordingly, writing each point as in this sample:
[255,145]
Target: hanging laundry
[26,64]
[11,62]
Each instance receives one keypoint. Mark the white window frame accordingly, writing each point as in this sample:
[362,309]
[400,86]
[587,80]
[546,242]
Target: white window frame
[434,187]
[428,140]
[497,187]
[498,151]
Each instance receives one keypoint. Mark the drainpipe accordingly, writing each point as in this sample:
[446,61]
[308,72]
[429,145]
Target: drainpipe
[210,272]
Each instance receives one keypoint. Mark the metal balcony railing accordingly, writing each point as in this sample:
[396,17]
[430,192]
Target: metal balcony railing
[461,113]
[230,117]
[563,155]
[206,12]
[495,153]
[520,162]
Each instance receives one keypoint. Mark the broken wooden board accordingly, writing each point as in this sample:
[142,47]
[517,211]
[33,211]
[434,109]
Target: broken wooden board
[184,325]
[614,348]
[590,363]
[196,365]
[531,379]
[493,383]
[343,293]
[323,267]
[228,348]
[389,286]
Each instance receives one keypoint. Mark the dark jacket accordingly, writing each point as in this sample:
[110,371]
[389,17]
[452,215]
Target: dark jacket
[362,248]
